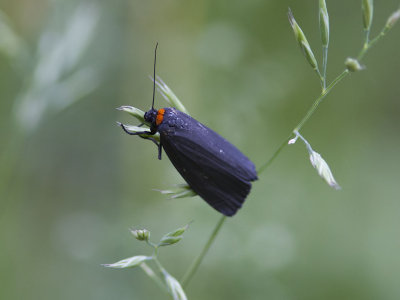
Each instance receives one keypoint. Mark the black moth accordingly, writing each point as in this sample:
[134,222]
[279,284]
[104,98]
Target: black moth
[215,169]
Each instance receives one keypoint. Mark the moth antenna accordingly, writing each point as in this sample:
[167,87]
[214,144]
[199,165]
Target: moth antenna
[154,74]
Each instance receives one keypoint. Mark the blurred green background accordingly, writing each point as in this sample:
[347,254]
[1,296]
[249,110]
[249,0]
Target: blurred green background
[72,183]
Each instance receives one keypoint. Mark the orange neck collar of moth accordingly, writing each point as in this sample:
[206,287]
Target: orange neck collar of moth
[160,116]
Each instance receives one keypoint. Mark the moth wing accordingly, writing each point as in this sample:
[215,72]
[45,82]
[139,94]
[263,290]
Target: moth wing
[207,172]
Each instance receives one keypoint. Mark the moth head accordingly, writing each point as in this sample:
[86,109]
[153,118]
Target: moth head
[151,116]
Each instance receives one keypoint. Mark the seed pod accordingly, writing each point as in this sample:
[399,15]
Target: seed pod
[174,287]
[302,40]
[324,23]
[323,169]
[353,65]
[141,234]
[368,12]
[394,17]
[129,262]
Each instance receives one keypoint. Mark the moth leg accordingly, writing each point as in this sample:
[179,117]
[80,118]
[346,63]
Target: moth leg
[159,146]
[159,151]
[132,133]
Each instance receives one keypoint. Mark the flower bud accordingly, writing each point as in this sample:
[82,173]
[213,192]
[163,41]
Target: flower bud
[368,12]
[129,262]
[353,65]
[293,140]
[169,240]
[133,111]
[141,234]
[173,237]
[323,169]
[179,191]
[394,17]
[169,95]
[319,163]
[178,231]
[324,23]
[174,287]
[302,40]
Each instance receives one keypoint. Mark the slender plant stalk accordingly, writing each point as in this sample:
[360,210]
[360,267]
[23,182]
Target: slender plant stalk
[193,268]
[318,101]
[309,113]
[321,78]
[149,272]
[324,65]
[325,91]
[155,259]
[272,158]
[368,44]
[367,32]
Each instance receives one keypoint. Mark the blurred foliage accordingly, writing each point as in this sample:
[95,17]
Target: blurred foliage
[71,183]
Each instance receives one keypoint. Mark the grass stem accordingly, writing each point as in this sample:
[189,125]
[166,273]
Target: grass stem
[193,268]
[149,272]
[324,65]
[309,113]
